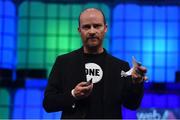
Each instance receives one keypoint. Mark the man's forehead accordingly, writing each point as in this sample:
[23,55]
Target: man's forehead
[90,12]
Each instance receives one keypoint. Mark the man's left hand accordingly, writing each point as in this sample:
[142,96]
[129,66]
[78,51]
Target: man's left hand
[138,74]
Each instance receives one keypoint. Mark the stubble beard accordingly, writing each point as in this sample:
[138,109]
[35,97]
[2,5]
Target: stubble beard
[93,48]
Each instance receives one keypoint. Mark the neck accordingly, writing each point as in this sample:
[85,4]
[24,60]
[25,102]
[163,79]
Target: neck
[93,50]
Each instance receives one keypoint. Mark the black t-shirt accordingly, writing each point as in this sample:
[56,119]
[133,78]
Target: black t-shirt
[96,97]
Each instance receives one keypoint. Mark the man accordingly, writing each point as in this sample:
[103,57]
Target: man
[86,83]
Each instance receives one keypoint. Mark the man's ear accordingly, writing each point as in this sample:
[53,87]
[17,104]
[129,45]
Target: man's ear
[79,30]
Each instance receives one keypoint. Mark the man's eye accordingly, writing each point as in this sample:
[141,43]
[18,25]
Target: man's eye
[86,27]
[97,26]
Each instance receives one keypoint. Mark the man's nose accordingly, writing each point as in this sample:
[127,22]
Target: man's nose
[92,30]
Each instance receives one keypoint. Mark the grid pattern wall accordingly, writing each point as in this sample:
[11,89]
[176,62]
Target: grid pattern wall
[150,33]
[28,105]
[24,104]
[4,104]
[7,34]
[48,30]
[155,101]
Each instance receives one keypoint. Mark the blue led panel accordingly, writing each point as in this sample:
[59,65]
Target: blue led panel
[36,83]
[175,100]
[147,45]
[7,34]
[147,59]
[148,29]
[117,45]
[33,104]
[147,101]
[133,29]
[19,104]
[151,35]
[128,114]
[118,31]
[132,45]
[159,60]
[159,45]
[166,103]
[161,101]
[28,105]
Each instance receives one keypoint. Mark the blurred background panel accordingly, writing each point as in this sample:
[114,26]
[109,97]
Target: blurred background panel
[34,33]
[151,34]
[50,32]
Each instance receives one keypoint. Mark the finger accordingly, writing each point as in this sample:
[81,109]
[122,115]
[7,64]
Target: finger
[81,84]
[145,78]
[139,73]
[82,93]
[137,77]
[88,92]
[86,88]
[81,87]
[91,86]
[89,82]
[134,76]
[142,69]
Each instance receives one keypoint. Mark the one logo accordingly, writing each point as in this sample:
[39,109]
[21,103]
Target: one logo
[94,72]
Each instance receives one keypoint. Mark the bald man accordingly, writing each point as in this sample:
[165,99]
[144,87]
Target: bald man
[86,83]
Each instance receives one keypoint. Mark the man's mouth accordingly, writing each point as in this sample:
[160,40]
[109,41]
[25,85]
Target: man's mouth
[92,38]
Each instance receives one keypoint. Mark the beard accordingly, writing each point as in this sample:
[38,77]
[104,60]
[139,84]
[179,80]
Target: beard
[93,44]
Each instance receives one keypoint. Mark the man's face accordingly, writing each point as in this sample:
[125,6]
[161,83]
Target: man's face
[92,28]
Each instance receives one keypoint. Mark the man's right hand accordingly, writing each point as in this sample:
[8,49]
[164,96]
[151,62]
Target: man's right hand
[82,90]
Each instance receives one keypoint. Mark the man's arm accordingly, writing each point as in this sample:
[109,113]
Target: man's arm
[55,99]
[132,92]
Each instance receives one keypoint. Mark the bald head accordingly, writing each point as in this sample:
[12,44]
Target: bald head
[91,11]
[92,28]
